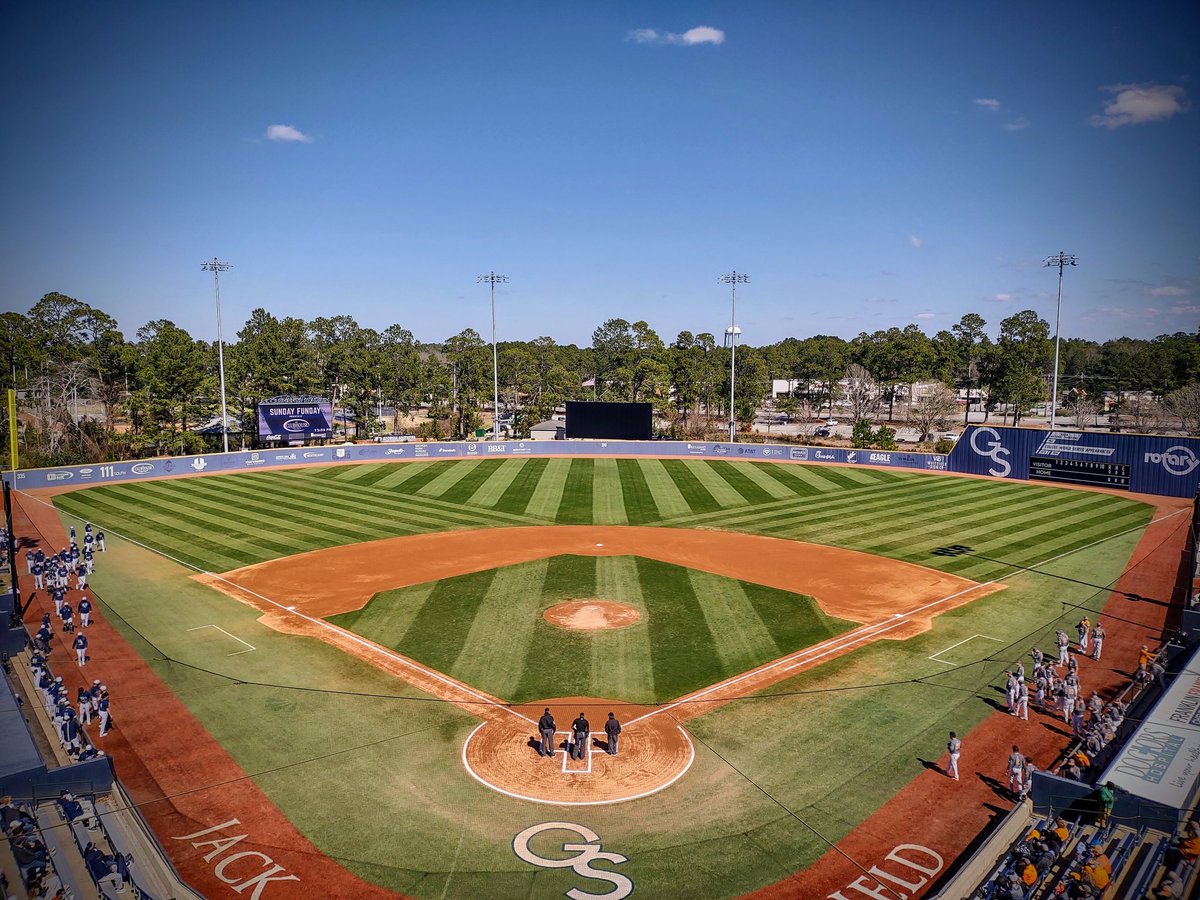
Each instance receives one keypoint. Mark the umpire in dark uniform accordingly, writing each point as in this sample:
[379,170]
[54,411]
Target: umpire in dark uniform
[547,728]
[580,731]
[612,728]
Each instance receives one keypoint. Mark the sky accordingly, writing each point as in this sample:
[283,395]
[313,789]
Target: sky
[867,164]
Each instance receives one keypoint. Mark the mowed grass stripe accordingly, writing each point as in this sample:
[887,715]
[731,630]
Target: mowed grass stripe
[413,506]
[447,476]
[498,618]
[1044,538]
[575,508]
[407,515]
[745,481]
[257,541]
[357,471]
[722,491]
[413,485]
[489,493]
[608,496]
[548,492]
[667,498]
[862,524]
[170,537]
[516,497]
[440,628]
[554,650]
[636,496]
[678,632]
[785,515]
[619,656]
[466,487]
[966,524]
[800,479]
[401,472]
[260,513]
[387,617]
[698,497]
[793,619]
[739,633]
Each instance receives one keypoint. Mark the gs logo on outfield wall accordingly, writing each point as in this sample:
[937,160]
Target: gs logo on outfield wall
[986,442]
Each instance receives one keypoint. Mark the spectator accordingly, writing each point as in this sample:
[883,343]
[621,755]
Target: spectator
[30,854]
[71,808]
[103,868]
[1170,888]
[10,813]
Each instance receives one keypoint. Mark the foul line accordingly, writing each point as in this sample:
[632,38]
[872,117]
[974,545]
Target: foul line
[227,634]
[328,626]
[959,644]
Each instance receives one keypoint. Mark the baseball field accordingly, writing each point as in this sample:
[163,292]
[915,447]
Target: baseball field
[787,644]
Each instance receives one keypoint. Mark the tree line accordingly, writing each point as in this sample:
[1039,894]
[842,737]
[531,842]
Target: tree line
[65,355]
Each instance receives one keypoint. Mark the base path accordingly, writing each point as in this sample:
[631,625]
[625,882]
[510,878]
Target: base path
[847,584]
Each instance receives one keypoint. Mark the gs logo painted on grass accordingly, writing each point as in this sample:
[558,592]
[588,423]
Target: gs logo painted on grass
[581,863]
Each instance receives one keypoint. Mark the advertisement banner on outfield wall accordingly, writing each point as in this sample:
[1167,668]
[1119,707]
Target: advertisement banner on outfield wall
[1153,465]
[295,419]
[1145,464]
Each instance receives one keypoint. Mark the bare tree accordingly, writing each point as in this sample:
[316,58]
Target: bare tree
[1141,412]
[933,410]
[1184,404]
[862,393]
[1086,411]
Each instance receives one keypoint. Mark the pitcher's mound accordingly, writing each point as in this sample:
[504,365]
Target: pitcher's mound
[591,615]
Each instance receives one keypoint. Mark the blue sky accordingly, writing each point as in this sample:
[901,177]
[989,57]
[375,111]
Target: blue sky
[868,164]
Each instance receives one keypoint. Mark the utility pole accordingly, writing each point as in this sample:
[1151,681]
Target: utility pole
[493,279]
[1062,260]
[732,334]
[217,267]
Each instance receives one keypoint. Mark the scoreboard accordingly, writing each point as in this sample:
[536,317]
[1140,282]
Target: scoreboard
[1079,471]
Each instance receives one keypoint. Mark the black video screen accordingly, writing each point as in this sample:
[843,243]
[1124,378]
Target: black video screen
[610,421]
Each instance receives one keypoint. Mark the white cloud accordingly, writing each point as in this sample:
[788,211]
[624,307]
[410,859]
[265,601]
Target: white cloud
[1169,290]
[287,134]
[1002,298]
[701,34]
[1185,309]
[1020,123]
[924,317]
[1136,104]
[988,103]
[916,241]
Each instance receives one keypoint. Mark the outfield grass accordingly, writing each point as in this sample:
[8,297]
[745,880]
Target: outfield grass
[827,747]
[487,629]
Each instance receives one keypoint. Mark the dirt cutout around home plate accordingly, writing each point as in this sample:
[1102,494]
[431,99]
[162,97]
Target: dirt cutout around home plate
[592,615]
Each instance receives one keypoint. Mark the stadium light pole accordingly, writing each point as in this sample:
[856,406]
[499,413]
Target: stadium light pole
[217,267]
[493,279]
[1062,261]
[731,335]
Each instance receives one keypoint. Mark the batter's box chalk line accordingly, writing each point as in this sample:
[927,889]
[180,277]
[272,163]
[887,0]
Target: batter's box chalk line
[248,645]
[959,644]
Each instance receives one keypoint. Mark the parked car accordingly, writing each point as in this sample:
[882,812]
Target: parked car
[831,422]
[823,431]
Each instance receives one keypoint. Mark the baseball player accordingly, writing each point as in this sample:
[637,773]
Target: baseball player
[1030,768]
[103,708]
[1064,643]
[1098,636]
[70,732]
[1023,701]
[39,578]
[84,699]
[546,728]
[68,617]
[580,731]
[612,730]
[100,541]
[81,575]
[1084,630]
[29,557]
[954,745]
[80,644]
[1016,771]
[85,611]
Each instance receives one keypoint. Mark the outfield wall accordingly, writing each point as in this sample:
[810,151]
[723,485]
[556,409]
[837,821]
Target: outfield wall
[1140,463]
